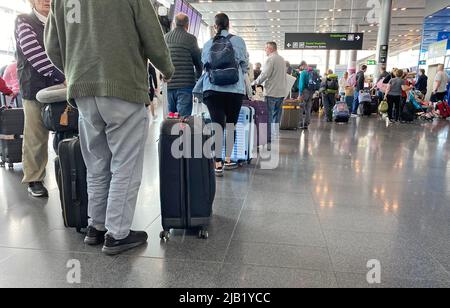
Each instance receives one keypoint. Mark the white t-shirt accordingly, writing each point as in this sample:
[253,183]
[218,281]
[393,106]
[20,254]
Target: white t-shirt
[443,78]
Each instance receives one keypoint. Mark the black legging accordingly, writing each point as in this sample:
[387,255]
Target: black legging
[224,108]
[394,101]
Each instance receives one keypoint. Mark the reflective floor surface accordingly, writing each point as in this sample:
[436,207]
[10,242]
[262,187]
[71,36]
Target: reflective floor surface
[341,196]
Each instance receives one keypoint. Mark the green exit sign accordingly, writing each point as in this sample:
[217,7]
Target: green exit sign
[371,62]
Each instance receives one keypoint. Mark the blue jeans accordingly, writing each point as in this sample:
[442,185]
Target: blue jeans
[349,101]
[274,105]
[180,100]
[355,103]
[380,95]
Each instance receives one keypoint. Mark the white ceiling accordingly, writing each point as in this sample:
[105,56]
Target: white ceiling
[251,19]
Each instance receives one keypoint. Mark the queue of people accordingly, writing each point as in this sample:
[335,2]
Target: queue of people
[110,85]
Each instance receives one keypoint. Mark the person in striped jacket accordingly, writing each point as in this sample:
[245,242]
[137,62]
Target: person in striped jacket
[35,72]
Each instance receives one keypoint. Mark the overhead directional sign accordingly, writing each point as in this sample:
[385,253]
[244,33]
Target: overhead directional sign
[324,41]
[371,62]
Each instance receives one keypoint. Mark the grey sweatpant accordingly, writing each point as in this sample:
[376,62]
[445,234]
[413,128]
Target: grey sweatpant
[307,98]
[113,133]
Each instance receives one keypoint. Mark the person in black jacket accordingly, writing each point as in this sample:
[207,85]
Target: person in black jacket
[35,72]
[360,80]
[422,82]
[186,56]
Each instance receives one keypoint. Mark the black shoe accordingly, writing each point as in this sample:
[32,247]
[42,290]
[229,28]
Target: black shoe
[37,189]
[114,247]
[94,237]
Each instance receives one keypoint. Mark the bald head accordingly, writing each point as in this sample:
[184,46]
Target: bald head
[182,20]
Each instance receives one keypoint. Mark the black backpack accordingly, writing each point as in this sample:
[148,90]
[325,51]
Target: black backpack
[408,112]
[314,81]
[332,84]
[222,67]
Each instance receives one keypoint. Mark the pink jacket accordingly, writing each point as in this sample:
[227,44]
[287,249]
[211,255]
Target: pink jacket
[10,77]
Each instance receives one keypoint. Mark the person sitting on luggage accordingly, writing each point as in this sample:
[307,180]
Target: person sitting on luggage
[330,88]
[35,72]
[186,56]
[224,97]
[109,84]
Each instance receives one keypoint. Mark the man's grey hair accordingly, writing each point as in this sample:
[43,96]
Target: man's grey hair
[181,20]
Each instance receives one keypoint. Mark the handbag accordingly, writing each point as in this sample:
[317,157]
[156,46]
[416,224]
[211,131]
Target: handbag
[60,117]
[384,107]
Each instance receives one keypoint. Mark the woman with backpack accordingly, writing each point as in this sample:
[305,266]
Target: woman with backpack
[225,59]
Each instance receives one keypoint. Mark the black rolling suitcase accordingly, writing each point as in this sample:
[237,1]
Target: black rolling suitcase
[71,172]
[11,135]
[188,183]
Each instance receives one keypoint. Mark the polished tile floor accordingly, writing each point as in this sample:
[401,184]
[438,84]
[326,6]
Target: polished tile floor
[341,196]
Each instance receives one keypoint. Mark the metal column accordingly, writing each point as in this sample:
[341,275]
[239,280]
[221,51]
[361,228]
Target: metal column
[327,61]
[383,35]
[353,56]
[338,57]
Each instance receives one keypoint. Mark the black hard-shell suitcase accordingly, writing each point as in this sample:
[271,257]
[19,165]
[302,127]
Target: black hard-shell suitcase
[11,135]
[187,182]
[71,176]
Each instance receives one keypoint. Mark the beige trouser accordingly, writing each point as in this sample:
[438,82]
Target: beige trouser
[35,143]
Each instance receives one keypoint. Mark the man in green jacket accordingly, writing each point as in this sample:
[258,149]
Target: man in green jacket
[102,47]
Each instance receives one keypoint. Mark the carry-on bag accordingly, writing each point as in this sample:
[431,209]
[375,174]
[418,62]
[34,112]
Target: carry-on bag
[58,115]
[292,115]
[408,112]
[244,149]
[341,113]
[11,135]
[444,109]
[263,127]
[71,176]
[384,107]
[187,178]
[364,97]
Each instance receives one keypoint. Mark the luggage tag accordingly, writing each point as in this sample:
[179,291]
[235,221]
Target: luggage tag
[64,120]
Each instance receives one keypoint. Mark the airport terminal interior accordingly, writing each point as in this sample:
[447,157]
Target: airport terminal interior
[343,199]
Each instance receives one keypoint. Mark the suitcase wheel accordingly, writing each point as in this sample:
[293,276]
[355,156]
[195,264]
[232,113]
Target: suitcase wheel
[11,166]
[164,235]
[203,234]
[2,164]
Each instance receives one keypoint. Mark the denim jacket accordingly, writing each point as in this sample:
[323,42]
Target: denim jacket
[241,54]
